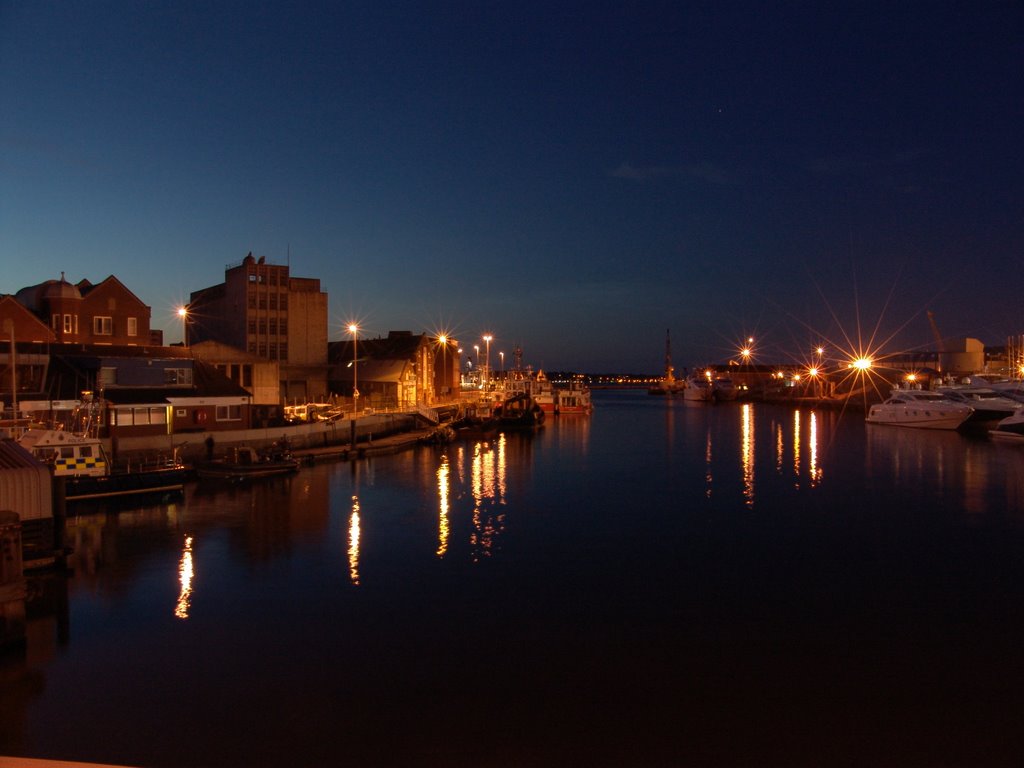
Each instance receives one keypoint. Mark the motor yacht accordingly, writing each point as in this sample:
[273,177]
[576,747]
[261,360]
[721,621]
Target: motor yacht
[988,404]
[919,408]
[1010,429]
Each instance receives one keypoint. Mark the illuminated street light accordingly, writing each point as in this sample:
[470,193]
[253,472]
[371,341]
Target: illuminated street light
[443,341]
[354,330]
[183,314]
[487,357]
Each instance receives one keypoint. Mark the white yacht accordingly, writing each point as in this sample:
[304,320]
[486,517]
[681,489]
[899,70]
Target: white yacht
[988,404]
[698,388]
[1011,428]
[921,409]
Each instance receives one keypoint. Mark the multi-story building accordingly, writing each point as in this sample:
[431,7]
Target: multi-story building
[261,309]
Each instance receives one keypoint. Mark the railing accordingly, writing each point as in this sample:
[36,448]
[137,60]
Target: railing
[427,413]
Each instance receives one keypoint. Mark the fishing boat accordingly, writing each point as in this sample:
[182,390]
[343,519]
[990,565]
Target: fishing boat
[81,463]
[245,462]
[921,409]
[555,400]
[520,411]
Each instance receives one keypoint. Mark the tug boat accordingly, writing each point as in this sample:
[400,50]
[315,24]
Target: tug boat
[80,462]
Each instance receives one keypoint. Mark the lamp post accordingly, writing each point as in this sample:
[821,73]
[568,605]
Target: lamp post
[443,341]
[502,364]
[487,357]
[476,357]
[354,330]
[183,314]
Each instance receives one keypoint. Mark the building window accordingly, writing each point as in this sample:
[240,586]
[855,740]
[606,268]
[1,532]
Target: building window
[263,302]
[229,413]
[283,303]
[273,326]
[178,376]
[273,350]
[107,377]
[284,350]
[263,349]
[55,322]
[101,326]
[252,347]
[273,301]
[133,326]
[246,375]
[263,327]
[252,327]
[252,301]
[67,324]
[283,325]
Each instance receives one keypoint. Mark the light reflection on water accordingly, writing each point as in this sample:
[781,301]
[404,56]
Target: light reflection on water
[626,577]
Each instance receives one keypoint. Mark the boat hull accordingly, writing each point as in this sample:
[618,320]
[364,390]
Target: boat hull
[160,481]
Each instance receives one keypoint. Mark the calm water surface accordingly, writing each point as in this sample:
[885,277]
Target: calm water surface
[659,584]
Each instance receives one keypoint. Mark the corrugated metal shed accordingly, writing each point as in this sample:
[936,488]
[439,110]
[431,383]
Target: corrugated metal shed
[26,486]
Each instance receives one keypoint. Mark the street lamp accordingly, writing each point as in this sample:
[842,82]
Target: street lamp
[443,341]
[183,314]
[354,330]
[502,364]
[476,357]
[487,358]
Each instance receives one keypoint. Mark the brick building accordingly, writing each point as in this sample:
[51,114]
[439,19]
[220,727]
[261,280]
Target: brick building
[264,311]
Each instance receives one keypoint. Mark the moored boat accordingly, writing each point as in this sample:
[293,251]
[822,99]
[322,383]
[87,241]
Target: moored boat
[80,462]
[699,389]
[1010,429]
[246,462]
[921,409]
[988,404]
[520,411]
[723,389]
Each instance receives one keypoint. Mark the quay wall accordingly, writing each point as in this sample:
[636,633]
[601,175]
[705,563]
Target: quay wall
[192,445]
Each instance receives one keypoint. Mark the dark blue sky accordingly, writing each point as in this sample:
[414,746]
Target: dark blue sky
[572,177]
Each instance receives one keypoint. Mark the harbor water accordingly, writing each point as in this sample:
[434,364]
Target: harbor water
[661,583]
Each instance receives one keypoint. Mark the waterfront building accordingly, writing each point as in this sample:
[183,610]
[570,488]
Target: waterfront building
[128,391]
[392,372]
[261,309]
[261,378]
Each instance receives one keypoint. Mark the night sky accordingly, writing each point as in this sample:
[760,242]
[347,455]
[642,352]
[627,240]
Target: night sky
[572,177]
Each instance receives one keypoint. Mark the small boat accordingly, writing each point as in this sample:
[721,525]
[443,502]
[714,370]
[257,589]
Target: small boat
[1010,429]
[520,411]
[81,463]
[246,462]
[921,409]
